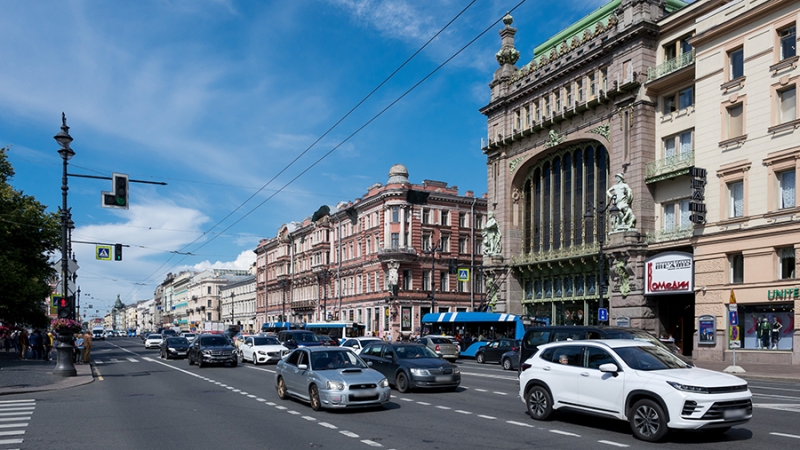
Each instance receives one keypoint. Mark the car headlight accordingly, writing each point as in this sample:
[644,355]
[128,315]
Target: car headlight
[456,370]
[687,388]
[384,383]
[420,372]
[171,349]
[207,352]
[335,385]
[262,352]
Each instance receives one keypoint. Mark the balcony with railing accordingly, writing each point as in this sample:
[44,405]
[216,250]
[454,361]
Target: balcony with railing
[669,167]
[671,65]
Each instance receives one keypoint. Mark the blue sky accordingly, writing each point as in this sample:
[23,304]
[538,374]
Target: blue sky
[216,97]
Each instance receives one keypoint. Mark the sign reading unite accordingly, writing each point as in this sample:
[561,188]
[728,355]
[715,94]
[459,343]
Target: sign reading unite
[696,204]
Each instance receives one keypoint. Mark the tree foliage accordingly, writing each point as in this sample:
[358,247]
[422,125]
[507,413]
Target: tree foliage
[28,236]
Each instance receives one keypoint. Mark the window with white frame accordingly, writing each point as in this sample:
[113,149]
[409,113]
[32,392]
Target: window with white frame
[678,147]
[736,199]
[443,282]
[359,285]
[788,41]
[735,120]
[426,280]
[426,215]
[395,214]
[736,63]
[462,220]
[787,104]
[463,245]
[445,243]
[786,189]
[676,216]
[395,241]
[736,265]
[426,241]
[462,286]
[786,265]
[528,117]
[478,221]
[517,120]
[445,217]
[407,280]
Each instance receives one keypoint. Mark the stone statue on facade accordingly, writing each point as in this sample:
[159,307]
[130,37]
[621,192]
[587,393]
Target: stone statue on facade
[492,244]
[392,277]
[622,196]
[491,293]
[620,270]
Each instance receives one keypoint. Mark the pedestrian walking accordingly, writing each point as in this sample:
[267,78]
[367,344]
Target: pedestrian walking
[7,340]
[87,346]
[78,348]
[23,343]
[48,346]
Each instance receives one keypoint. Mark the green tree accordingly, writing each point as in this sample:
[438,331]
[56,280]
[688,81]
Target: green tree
[28,237]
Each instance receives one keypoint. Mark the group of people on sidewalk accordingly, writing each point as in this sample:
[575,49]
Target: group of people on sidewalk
[38,345]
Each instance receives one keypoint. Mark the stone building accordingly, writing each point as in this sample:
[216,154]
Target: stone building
[370,262]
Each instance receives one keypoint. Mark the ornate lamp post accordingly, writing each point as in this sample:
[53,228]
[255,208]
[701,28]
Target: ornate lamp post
[601,234]
[432,251]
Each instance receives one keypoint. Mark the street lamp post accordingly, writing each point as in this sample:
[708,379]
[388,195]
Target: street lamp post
[283,284]
[64,365]
[233,321]
[322,277]
[432,251]
[601,233]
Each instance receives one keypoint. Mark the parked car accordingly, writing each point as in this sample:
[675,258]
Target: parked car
[153,341]
[356,344]
[174,347]
[640,382]
[292,339]
[410,366]
[330,377]
[442,346]
[493,351]
[536,336]
[261,350]
[510,359]
[211,349]
[189,336]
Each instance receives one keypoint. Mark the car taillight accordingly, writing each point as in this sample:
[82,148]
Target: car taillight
[437,347]
[513,349]
[525,367]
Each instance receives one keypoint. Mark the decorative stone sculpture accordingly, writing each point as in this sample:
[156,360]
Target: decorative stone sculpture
[492,244]
[622,195]
[623,277]
[392,277]
[491,293]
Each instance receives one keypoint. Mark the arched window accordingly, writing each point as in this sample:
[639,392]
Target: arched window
[590,192]
[557,204]
[578,165]
[567,205]
[527,211]
[547,224]
[537,199]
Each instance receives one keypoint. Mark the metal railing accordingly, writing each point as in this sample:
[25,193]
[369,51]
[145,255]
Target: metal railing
[670,164]
[669,66]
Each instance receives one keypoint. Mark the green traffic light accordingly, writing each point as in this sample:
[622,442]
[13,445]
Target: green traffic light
[121,201]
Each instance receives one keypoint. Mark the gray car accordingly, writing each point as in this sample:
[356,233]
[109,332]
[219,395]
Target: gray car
[442,346]
[330,377]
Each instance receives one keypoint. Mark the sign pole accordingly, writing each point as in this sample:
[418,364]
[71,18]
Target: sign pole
[734,339]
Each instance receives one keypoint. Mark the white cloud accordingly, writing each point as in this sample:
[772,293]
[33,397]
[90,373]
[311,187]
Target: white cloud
[242,262]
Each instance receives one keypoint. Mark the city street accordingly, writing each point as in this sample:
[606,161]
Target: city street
[139,401]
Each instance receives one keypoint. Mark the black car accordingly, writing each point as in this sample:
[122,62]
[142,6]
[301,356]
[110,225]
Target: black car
[292,339]
[211,349]
[410,366]
[510,359]
[174,347]
[493,351]
[536,336]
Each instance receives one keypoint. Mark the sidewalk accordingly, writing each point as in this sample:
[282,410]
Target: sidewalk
[24,376]
[753,371]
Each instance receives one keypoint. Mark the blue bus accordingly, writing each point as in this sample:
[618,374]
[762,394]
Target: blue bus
[274,327]
[338,330]
[476,327]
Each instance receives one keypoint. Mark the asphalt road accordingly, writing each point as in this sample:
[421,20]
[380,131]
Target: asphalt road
[141,402]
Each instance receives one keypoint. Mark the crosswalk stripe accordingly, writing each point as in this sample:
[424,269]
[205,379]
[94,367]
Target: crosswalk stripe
[10,441]
[13,425]
[11,419]
[17,409]
[12,433]
[18,401]
[132,360]
[16,413]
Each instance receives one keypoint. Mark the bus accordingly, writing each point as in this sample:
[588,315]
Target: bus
[478,327]
[338,330]
[274,327]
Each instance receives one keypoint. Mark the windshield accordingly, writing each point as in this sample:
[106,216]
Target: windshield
[441,341]
[177,341]
[265,341]
[214,341]
[305,337]
[188,335]
[337,359]
[650,358]
[154,336]
[414,351]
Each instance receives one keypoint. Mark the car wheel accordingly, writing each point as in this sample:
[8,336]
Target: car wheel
[648,421]
[191,361]
[540,403]
[402,382]
[234,363]
[313,396]
[200,363]
[480,358]
[507,364]
[255,359]
[281,389]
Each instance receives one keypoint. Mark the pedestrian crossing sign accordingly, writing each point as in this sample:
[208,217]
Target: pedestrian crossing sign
[103,252]
[463,274]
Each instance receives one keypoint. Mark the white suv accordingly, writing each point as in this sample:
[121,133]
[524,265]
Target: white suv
[634,381]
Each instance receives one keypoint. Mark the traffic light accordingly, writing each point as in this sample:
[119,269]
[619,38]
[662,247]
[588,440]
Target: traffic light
[63,307]
[118,197]
[452,267]
[117,252]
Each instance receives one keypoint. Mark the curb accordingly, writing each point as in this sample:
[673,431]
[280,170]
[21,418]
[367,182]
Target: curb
[85,376]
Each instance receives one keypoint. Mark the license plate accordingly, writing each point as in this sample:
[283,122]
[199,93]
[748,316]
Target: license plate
[734,414]
[443,378]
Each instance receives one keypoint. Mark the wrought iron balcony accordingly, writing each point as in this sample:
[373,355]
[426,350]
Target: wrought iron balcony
[669,66]
[669,167]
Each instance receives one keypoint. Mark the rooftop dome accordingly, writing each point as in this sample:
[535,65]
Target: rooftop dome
[398,174]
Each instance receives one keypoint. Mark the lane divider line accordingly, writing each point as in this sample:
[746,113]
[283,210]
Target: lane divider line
[564,433]
[348,433]
[520,424]
[785,435]
[371,443]
[615,444]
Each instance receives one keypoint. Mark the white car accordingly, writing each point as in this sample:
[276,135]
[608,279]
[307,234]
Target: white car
[189,336]
[634,381]
[261,350]
[358,343]
[153,341]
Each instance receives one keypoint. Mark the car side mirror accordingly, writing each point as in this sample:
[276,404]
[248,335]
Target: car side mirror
[302,366]
[249,344]
[609,368]
[389,356]
[369,363]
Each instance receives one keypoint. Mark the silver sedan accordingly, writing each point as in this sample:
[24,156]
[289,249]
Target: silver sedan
[328,377]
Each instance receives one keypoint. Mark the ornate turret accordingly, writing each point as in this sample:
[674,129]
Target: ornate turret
[118,304]
[506,57]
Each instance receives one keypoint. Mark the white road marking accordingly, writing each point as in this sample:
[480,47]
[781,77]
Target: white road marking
[406,399]
[309,418]
[26,408]
[97,361]
[18,401]
[565,433]
[786,435]
[12,433]
[371,443]
[520,424]
[348,433]
[132,360]
[486,417]
[11,419]
[13,425]
[251,396]
[751,386]
[114,360]
[261,399]
[10,441]
[790,407]
[499,393]
[328,425]
[231,388]
[263,370]
[234,390]
[296,413]
[444,407]
[270,403]
[463,412]
[481,390]
[615,444]
[496,377]
[18,413]
[281,407]
[424,403]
